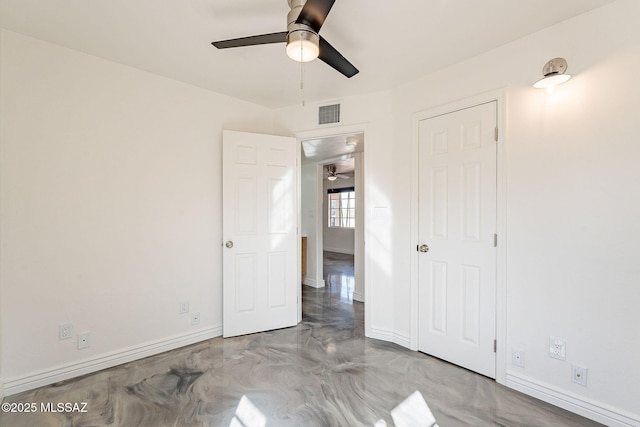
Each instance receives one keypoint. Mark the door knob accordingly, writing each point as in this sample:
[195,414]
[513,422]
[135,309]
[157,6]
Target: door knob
[423,247]
[229,244]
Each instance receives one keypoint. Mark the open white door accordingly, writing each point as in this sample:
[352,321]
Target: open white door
[260,222]
[457,222]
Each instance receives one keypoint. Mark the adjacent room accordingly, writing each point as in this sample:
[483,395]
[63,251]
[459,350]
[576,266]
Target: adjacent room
[464,175]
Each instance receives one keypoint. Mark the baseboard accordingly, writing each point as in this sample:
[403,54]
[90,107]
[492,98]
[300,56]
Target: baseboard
[588,408]
[313,283]
[402,340]
[339,250]
[357,296]
[107,360]
[390,336]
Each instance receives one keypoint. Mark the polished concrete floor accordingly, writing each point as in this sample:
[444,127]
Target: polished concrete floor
[323,372]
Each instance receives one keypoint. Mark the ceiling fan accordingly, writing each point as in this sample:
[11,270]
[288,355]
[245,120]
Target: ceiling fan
[332,174]
[303,42]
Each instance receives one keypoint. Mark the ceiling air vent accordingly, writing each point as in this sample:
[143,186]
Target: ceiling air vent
[329,114]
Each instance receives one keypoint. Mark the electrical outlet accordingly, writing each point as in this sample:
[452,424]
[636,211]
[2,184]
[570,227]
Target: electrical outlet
[579,375]
[557,348]
[184,307]
[65,331]
[195,318]
[84,340]
[517,358]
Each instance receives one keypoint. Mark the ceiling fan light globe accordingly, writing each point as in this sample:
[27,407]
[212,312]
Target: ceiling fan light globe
[332,177]
[303,45]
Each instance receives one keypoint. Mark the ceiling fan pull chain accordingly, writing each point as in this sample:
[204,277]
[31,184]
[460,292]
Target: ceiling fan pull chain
[302,76]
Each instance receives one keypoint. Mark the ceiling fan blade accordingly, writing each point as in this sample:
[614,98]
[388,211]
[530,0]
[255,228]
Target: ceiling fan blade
[333,58]
[314,12]
[280,37]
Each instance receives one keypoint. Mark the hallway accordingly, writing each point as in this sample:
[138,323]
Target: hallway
[323,372]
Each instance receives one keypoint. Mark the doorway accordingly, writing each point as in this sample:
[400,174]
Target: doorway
[332,189]
[339,215]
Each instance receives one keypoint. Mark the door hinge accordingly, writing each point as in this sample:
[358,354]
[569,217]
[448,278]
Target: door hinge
[495,240]
[495,346]
[495,136]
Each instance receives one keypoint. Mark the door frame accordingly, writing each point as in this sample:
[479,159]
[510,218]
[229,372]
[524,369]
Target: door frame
[501,285]
[360,272]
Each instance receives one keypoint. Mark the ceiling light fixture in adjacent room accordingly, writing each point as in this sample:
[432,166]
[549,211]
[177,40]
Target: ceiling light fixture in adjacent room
[554,73]
[331,173]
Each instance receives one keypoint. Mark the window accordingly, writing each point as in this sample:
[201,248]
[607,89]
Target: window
[342,207]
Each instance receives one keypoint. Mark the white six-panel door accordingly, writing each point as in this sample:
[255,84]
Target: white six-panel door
[260,261]
[457,221]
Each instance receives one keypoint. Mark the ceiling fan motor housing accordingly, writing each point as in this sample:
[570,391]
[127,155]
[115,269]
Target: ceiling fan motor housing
[296,7]
[303,44]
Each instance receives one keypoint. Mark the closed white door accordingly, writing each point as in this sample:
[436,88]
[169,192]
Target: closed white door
[457,223]
[260,222]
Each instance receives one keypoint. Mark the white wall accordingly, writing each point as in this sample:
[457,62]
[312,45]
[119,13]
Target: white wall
[358,256]
[1,126]
[111,209]
[339,240]
[572,204]
[310,226]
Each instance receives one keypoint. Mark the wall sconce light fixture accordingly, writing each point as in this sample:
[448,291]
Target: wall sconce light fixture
[554,73]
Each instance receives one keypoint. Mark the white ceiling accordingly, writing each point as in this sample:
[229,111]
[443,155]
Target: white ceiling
[389,42]
[334,150]
[331,150]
